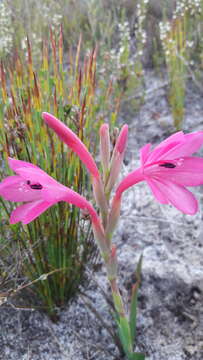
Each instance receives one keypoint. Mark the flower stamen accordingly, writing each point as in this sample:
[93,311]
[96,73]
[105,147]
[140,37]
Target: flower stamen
[36,186]
[168,165]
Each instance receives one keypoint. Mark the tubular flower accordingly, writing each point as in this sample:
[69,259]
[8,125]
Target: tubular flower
[75,144]
[73,141]
[168,170]
[39,191]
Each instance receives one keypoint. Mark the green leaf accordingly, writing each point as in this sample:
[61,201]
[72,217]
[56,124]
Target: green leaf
[137,356]
[124,335]
[139,267]
[133,305]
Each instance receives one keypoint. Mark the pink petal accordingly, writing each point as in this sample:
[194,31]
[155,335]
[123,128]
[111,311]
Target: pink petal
[131,179]
[188,171]
[73,141]
[144,152]
[122,140]
[63,193]
[55,192]
[52,190]
[176,195]
[14,188]
[177,138]
[171,141]
[161,152]
[35,175]
[28,212]
[15,164]
[157,191]
[191,144]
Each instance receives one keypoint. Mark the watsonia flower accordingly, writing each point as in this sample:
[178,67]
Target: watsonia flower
[169,169]
[39,191]
[73,142]
[76,145]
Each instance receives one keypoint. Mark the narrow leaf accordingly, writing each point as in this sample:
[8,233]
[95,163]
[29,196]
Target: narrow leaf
[124,335]
[133,305]
[137,356]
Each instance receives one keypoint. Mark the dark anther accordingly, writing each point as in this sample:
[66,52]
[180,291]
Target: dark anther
[36,186]
[168,165]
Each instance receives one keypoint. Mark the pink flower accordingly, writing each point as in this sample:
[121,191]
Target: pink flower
[168,170]
[40,191]
[73,141]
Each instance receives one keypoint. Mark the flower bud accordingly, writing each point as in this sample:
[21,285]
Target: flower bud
[112,265]
[105,149]
[117,158]
[113,217]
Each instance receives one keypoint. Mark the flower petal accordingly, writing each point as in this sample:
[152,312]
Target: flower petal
[122,140]
[177,146]
[35,175]
[63,193]
[144,152]
[176,195]
[73,141]
[157,191]
[161,152]
[15,164]
[30,211]
[192,143]
[187,172]
[131,179]
[177,137]
[14,188]
[55,193]
[165,145]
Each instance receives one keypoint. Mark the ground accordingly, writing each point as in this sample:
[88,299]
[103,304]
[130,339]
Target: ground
[170,316]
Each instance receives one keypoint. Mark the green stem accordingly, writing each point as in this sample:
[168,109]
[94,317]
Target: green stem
[122,321]
[117,299]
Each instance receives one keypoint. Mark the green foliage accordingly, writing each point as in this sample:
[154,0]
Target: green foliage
[178,40]
[133,304]
[137,356]
[127,326]
[175,52]
[124,335]
[108,24]
[105,24]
